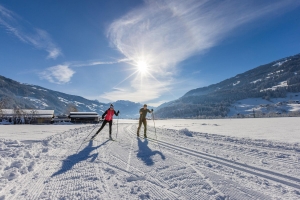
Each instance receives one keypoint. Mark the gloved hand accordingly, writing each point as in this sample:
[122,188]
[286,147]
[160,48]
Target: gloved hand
[151,110]
[118,112]
[102,117]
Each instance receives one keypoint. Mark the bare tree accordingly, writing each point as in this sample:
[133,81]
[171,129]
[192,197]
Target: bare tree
[30,115]
[18,114]
[3,103]
[33,113]
[71,107]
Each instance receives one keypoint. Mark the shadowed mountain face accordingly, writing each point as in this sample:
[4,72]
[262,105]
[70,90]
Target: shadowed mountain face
[267,81]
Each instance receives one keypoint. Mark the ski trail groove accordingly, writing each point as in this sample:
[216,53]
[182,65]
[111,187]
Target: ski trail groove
[129,156]
[193,185]
[232,164]
[99,170]
[271,175]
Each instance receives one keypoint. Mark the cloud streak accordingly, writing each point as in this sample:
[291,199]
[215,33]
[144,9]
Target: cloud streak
[28,34]
[95,63]
[165,32]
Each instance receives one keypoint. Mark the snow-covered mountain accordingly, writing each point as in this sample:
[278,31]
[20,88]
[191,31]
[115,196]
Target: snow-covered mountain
[35,97]
[278,79]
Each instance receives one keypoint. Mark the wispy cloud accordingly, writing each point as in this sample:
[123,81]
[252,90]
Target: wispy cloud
[166,32]
[62,74]
[28,34]
[59,74]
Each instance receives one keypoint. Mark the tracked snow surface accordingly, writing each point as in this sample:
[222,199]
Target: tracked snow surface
[181,164]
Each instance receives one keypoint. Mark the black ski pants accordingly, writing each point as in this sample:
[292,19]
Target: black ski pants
[103,124]
[144,121]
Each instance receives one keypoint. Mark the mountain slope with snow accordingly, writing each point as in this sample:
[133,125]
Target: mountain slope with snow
[273,80]
[28,96]
[35,97]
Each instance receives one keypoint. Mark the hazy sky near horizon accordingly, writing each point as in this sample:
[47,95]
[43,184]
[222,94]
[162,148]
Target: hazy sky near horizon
[150,51]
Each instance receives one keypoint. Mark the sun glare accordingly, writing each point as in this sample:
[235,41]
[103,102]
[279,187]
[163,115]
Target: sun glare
[142,67]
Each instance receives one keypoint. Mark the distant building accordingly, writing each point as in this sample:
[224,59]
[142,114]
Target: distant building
[61,119]
[84,117]
[27,116]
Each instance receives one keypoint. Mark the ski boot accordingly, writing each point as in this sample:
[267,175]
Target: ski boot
[145,136]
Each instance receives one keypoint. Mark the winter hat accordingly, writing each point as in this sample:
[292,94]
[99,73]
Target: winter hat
[111,105]
[145,105]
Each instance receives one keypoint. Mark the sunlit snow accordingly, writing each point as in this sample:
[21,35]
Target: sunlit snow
[192,159]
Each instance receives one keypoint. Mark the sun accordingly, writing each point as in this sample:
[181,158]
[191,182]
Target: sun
[142,67]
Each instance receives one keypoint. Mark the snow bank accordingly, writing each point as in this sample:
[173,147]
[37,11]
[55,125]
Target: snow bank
[19,158]
[27,132]
[186,132]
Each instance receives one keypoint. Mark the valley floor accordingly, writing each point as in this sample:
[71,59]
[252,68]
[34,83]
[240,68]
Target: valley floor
[181,164]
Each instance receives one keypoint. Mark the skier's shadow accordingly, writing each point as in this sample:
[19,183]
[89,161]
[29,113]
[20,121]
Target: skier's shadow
[84,154]
[145,153]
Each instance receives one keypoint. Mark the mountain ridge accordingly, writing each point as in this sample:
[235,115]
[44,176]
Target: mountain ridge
[271,80]
[28,96]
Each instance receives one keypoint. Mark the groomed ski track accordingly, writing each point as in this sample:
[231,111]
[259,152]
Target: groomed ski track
[178,165]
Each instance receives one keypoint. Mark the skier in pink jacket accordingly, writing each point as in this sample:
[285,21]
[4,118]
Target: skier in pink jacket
[109,113]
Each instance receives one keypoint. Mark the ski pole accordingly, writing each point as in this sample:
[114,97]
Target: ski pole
[117,127]
[155,130]
[154,124]
[86,138]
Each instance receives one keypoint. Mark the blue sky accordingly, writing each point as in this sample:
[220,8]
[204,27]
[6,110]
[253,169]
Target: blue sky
[142,51]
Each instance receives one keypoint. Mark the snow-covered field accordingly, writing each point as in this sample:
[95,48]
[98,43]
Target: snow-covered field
[192,159]
[285,129]
[33,132]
